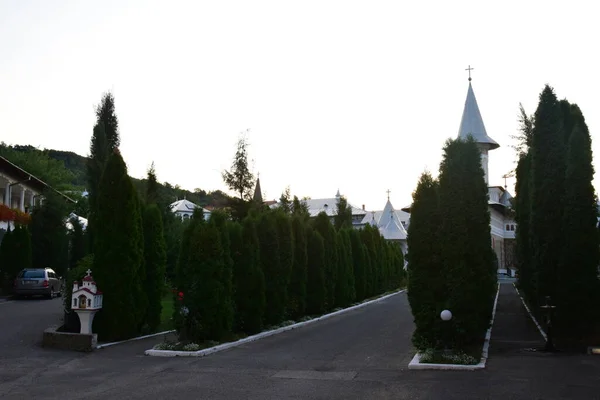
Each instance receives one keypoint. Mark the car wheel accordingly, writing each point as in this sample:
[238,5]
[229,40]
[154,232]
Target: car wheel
[51,295]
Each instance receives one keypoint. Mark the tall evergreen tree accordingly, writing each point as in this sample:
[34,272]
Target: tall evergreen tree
[275,283]
[155,259]
[219,220]
[343,216]
[152,195]
[239,179]
[547,194]
[286,255]
[345,291]
[78,244]
[118,254]
[371,260]
[359,263]
[467,257]
[579,289]
[523,235]
[248,278]
[50,246]
[206,298]
[299,207]
[285,202]
[322,225]
[316,291]
[297,287]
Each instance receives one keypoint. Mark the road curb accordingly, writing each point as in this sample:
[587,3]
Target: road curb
[417,365]
[531,315]
[101,346]
[224,346]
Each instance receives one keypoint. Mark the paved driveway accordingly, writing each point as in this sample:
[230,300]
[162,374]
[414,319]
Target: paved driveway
[362,354]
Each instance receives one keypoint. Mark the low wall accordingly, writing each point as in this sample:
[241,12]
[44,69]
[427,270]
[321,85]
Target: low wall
[69,341]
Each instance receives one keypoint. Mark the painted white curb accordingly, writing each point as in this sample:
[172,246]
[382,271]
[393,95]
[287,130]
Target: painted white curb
[220,347]
[101,346]
[416,364]
[531,315]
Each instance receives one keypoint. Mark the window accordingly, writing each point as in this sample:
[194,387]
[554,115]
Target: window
[33,274]
[74,302]
[512,227]
[507,227]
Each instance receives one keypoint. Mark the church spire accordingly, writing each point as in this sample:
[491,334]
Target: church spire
[258,192]
[471,124]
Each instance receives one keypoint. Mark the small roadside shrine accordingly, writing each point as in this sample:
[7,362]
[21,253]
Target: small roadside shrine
[86,301]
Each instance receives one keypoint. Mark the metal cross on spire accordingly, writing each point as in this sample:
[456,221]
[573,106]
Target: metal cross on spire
[388,193]
[469,69]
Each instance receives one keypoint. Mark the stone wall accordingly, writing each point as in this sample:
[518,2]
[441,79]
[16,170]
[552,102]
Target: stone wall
[69,341]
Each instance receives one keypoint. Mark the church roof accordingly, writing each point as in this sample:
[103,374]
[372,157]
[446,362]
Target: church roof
[472,123]
[386,214]
[374,217]
[329,206]
[185,206]
[393,230]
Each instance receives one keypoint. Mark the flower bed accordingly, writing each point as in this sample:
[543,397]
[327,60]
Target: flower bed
[8,214]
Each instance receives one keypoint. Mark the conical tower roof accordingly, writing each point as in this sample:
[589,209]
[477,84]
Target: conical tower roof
[387,214]
[472,123]
[258,192]
[393,230]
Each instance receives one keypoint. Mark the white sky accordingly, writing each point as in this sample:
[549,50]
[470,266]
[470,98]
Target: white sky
[353,95]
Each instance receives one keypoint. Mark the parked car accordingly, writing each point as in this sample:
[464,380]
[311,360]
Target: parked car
[38,281]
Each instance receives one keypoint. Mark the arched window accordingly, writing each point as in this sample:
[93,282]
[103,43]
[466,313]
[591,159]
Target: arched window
[507,227]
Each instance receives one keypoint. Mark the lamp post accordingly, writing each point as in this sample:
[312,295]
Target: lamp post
[549,342]
[446,316]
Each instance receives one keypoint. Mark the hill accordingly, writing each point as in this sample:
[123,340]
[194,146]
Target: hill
[66,171]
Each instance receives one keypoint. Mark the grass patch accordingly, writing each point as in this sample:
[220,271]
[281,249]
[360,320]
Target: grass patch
[166,314]
[190,346]
[471,355]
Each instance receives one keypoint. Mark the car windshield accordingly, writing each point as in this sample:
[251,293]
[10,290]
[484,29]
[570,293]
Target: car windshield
[33,274]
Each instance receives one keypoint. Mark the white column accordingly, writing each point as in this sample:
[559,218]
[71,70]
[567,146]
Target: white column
[31,200]
[7,194]
[22,202]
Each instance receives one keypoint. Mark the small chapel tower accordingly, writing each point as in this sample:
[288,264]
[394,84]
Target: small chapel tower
[472,124]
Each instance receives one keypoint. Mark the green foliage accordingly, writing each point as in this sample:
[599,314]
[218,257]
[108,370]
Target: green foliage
[118,254]
[359,264]
[16,254]
[547,194]
[467,257]
[300,208]
[219,220]
[155,260]
[210,315]
[105,115]
[78,244]
[527,276]
[40,164]
[371,260]
[578,298]
[343,216]
[297,287]
[248,277]
[152,186]
[285,203]
[322,225]
[316,290]
[239,179]
[345,291]
[270,262]
[50,245]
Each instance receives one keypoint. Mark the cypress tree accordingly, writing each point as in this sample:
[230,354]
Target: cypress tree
[6,263]
[271,266]
[426,289]
[547,194]
[316,291]
[322,225]
[206,297]
[248,278]
[118,254]
[371,257]
[219,220]
[78,244]
[286,254]
[345,292]
[343,216]
[50,246]
[578,293]
[359,264]
[467,257]
[155,259]
[297,287]
[527,277]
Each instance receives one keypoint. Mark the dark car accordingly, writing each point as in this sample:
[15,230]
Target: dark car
[38,281]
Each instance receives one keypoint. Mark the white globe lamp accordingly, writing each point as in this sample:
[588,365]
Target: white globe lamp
[446,315]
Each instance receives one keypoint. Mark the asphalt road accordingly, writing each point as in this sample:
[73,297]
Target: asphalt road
[362,354]
[22,323]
